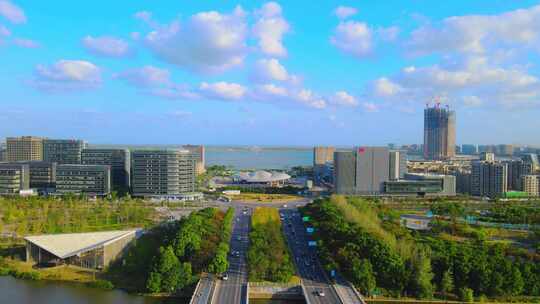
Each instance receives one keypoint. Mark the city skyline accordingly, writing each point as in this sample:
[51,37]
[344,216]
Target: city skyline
[355,73]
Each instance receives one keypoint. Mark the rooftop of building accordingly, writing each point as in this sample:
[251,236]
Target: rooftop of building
[415,217]
[262,176]
[70,244]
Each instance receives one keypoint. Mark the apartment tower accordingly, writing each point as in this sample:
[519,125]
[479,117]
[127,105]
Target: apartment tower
[439,133]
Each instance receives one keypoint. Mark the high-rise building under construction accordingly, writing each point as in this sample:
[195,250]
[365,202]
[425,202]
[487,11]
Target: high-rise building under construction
[439,132]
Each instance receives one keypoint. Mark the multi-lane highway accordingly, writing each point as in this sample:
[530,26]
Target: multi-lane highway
[234,289]
[316,284]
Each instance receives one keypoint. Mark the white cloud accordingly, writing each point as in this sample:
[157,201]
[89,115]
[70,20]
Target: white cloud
[106,46]
[207,42]
[265,70]
[342,98]
[270,28]
[354,38]
[66,75]
[385,87]
[472,80]
[479,33]
[12,12]
[344,12]
[270,90]
[222,90]
[308,98]
[147,76]
[26,43]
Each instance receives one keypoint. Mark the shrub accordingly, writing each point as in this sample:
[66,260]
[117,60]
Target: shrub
[466,295]
[101,284]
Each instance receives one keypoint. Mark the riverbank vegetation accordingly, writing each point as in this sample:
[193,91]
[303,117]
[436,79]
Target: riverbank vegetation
[369,246]
[268,255]
[169,257]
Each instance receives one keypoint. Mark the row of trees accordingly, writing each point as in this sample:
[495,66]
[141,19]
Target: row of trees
[268,255]
[515,214]
[371,258]
[53,215]
[169,257]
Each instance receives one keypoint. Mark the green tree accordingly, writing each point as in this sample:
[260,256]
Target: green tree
[363,277]
[166,272]
[422,274]
[466,295]
[447,282]
[516,283]
[219,263]
[153,283]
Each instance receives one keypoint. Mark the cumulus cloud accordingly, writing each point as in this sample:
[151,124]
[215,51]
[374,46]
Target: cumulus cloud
[359,39]
[342,98]
[385,87]
[208,42]
[344,12]
[66,76]
[265,70]
[223,90]
[354,38]
[270,29]
[472,80]
[147,76]
[270,90]
[106,46]
[26,43]
[12,12]
[478,34]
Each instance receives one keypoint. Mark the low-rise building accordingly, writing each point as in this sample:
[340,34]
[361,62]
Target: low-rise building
[414,187]
[448,181]
[262,179]
[14,178]
[88,179]
[94,250]
[415,222]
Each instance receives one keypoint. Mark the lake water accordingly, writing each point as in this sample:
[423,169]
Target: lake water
[251,157]
[259,158]
[14,291]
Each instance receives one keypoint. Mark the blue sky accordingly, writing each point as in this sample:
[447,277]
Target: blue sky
[268,73]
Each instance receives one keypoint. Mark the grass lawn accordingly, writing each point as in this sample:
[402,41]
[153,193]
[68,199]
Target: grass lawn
[259,197]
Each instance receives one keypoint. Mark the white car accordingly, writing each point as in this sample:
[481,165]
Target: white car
[320,293]
[225,277]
